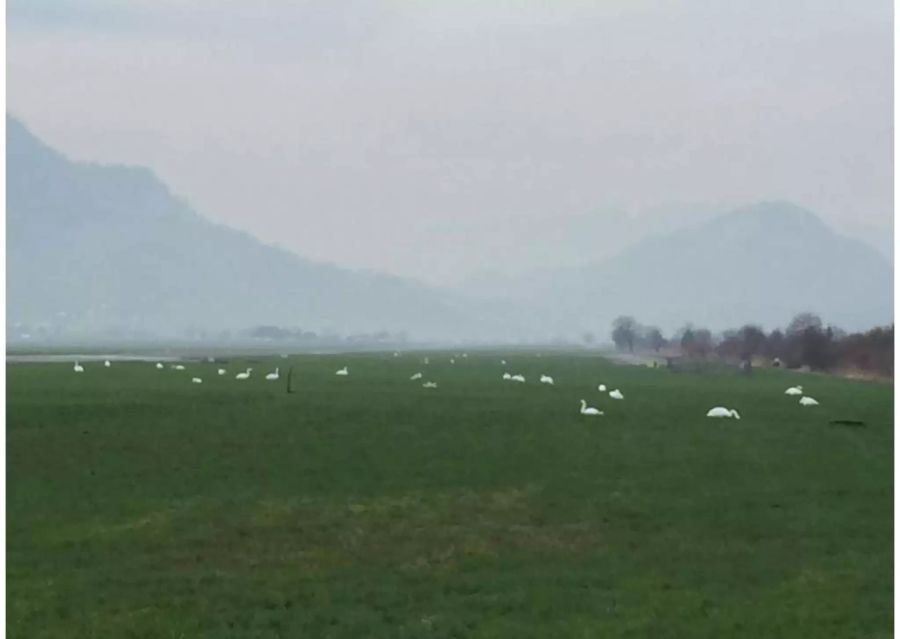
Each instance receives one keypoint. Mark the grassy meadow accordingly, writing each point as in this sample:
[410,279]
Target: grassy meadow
[141,505]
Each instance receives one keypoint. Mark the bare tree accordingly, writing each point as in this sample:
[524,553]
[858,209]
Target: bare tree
[752,341]
[872,351]
[654,338]
[807,342]
[775,344]
[625,330]
[803,321]
[687,341]
[703,342]
[730,345]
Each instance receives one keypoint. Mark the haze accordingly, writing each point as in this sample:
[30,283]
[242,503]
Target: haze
[439,140]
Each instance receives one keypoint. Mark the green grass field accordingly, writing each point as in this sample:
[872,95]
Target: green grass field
[141,505]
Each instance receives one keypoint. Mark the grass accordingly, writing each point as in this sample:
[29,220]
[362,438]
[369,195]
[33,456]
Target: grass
[141,505]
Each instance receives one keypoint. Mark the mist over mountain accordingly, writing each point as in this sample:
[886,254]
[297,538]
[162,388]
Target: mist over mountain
[761,264]
[100,248]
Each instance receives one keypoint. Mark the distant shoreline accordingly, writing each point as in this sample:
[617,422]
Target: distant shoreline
[53,358]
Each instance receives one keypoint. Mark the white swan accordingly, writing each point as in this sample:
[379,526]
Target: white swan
[343,372]
[518,378]
[273,376]
[415,376]
[107,364]
[503,362]
[589,410]
[196,380]
[507,376]
[721,411]
[159,365]
[179,367]
[78,368]
[602,388]
[808,401]
[222,371]
[546,379]
[429,385]
[244,375]
[452,361]
[794,390]
[425,360]
[616,394]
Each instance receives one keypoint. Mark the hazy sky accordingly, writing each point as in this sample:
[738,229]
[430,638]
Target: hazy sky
[433,139]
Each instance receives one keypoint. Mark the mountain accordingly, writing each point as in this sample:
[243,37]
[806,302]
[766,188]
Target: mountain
[98,248]
[499,247]
[762,264]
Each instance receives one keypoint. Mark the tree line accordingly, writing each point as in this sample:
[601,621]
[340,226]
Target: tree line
[806,341]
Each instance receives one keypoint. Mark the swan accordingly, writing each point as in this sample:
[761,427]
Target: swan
[429,385]
[342,372]
[794,390]
[808,401]
[244,375]
[465,355]
[425,360]
[452,361]
[107,364]
[503,362]
[273,376]
[396,354]
[616,394]
[602,388]
[518,378]
[589,410]
[720,411]
[78,368]
[222,371]
[179,367]
[546,379]
[196,380]
[415,376]
[159,365]
[507,376]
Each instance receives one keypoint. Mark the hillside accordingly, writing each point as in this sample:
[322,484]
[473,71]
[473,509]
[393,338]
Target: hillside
[762,264]
[98,248]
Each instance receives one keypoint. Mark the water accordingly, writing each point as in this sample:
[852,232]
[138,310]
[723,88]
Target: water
[47,358]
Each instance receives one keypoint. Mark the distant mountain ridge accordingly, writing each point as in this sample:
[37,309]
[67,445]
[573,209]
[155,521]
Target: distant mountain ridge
[98,246]
[761,263]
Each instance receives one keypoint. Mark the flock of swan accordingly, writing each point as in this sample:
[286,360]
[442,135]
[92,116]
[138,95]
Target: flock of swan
[719,412]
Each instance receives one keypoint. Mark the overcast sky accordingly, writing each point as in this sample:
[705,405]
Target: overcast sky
[434,139]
